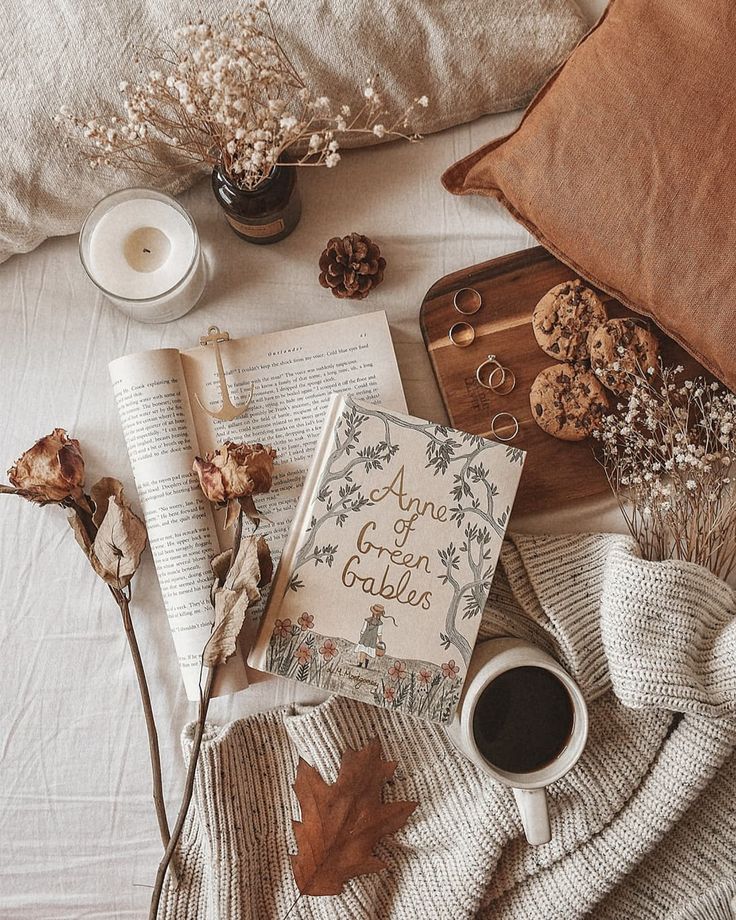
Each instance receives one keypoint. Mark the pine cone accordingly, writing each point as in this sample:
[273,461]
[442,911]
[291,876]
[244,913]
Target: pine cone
[351,266]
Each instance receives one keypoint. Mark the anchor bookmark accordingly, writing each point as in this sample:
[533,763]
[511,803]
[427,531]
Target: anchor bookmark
[228,411]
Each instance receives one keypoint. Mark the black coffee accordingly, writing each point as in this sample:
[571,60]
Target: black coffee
[523,720]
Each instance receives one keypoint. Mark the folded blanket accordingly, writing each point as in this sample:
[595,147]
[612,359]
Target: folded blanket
[643,827]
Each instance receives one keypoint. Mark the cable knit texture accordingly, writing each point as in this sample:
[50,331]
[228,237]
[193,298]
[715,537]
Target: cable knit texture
[643,827]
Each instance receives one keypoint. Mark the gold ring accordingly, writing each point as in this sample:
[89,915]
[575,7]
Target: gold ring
[491,359]
[508,378]
[499,437]
[461,334]
[467,301]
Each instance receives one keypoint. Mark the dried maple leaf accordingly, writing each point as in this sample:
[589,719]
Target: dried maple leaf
[342,823]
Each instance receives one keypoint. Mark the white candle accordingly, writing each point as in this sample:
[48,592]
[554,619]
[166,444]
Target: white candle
[141,248]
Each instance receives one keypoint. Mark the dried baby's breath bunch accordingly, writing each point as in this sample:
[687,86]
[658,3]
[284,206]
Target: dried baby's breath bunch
[229,96]
[668,454]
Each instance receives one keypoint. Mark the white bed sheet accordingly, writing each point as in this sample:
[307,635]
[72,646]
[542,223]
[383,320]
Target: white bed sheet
[77,831]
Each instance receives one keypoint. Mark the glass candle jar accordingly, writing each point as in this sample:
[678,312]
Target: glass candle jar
[265,214]
[141,248]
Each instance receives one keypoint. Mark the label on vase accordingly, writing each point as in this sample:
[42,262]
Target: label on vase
[259,230]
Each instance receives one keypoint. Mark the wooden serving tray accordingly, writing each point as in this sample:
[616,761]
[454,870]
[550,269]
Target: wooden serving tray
[556,473]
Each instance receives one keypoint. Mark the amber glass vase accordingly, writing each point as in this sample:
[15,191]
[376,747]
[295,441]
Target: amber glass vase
[265,214]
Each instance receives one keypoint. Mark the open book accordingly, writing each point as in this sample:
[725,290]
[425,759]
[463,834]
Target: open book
[293,375]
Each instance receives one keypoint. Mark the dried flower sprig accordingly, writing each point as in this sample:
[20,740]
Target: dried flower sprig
[229,96]
[111,536]
[228,477]
[668,453]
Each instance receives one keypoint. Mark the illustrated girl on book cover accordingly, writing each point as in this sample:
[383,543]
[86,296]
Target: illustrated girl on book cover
[370,644]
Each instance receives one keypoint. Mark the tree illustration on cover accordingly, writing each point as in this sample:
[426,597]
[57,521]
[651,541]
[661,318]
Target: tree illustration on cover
[367,442]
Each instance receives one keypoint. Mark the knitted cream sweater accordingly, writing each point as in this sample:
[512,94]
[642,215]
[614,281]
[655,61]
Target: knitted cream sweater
[643,827]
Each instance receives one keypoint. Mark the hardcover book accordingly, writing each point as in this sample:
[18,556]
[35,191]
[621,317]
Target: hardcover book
[389,560]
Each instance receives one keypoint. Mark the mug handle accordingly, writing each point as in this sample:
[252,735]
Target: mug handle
[532,805]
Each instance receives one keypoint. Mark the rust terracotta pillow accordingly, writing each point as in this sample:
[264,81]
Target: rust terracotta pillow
[624,167]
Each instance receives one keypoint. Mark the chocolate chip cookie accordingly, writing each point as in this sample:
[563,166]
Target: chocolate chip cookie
[565,318]
[621,350]
[567,402]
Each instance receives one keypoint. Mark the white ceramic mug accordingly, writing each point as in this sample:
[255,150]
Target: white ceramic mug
[490,660]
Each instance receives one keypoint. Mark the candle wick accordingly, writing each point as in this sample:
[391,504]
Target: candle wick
[146,250]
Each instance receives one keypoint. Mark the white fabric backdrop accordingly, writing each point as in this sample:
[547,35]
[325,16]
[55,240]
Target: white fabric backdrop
[77,832]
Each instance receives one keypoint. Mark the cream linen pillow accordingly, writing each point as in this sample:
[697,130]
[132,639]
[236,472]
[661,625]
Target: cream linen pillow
[471,57]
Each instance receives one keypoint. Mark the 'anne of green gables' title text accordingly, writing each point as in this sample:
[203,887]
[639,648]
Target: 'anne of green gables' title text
[400,565]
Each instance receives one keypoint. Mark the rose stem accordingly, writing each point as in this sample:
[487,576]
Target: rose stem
[298,899]
[204,702]
[123,602]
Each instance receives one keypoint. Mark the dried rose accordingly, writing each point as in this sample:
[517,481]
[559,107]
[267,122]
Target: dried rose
[233,473]
[51,471]
[235,470]
[120,538]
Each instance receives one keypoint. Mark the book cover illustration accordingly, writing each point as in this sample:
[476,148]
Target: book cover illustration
[388,568]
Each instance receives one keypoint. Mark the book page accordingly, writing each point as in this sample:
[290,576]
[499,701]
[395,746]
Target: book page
[293,374]
[159,433]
